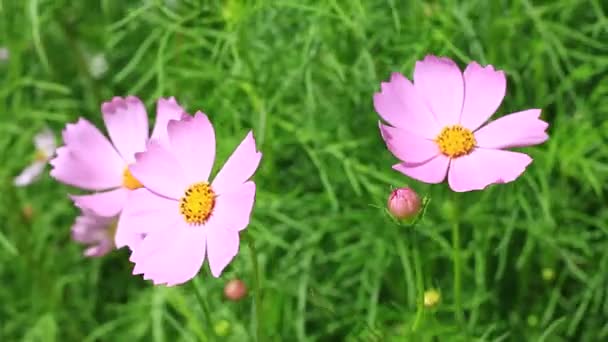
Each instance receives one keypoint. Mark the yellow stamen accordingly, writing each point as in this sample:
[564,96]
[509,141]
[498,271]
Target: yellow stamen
[40,156]
[197,204]
[456,141]
[130,182]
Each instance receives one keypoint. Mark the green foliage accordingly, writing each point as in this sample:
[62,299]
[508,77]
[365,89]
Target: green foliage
[302,74]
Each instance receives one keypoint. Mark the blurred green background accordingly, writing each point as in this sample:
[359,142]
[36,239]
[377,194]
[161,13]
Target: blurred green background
[302,74]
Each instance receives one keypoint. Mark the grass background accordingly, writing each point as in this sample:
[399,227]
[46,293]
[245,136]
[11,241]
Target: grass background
[302,75]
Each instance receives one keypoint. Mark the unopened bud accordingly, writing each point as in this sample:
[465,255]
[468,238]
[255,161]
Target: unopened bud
[235,290]
[222,328]
[548,274]
[431,298]
[403,203]
[28,212]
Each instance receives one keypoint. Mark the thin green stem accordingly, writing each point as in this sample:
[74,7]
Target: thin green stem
[256,289]
[419,281]
[205,307]
[456,257]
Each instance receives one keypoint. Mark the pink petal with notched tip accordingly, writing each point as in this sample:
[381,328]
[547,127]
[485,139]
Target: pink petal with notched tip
[432,171]
[166,110]
[159,170]
[519,129]
[87,160]
[144,214]
[239,167]
[127,124]
[483,167]
[484,89]
[408,146]
[171,256]
[401,105]
[439,82]
[233,210]
[192,142]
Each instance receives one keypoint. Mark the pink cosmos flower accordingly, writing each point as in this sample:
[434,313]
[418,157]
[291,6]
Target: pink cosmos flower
[45,150]
[96,231]
[183,216]
[90,161]
[436,125]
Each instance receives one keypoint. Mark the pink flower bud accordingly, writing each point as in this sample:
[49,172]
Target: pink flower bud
[235,290]
[403,203]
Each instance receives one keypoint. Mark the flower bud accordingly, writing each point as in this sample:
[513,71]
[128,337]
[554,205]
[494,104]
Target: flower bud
[431,298]
[235,290]
[548,274]
[403,203]
[222,328]
[27,211]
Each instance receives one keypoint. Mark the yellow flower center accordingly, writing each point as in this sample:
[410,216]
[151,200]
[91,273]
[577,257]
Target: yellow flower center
[197,204]
[130,182]
[455,141]
[40,156]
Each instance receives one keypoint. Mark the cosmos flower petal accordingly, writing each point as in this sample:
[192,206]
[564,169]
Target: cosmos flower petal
[30,173]
[166,110]
[89,228]
[172,256]
[483,167]
[233,210]
[159,170]
[45,142]
[407,146]
[71,169]
[143,214]
[519,129]
[439,81]
[432,171]
[484,90]
[93,230]
[222,247]
[87,160]
[107,203]
[127,124]
[102,248]
[401,105]
[239,167]
[193,145]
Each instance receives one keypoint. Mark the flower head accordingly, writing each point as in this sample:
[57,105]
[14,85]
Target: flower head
[45,149]
[436,125]
[98,65]
[431,298]
[235,290]
[89,161]
[183,215]
[403,203]
[95,231]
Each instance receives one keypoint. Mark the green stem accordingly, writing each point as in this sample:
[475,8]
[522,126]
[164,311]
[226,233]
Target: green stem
[456,256]
[257,289]
[205,307]
[419,281]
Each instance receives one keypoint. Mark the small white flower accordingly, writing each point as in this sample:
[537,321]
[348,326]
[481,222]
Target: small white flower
[45,149]
[98,65]
[4,54]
